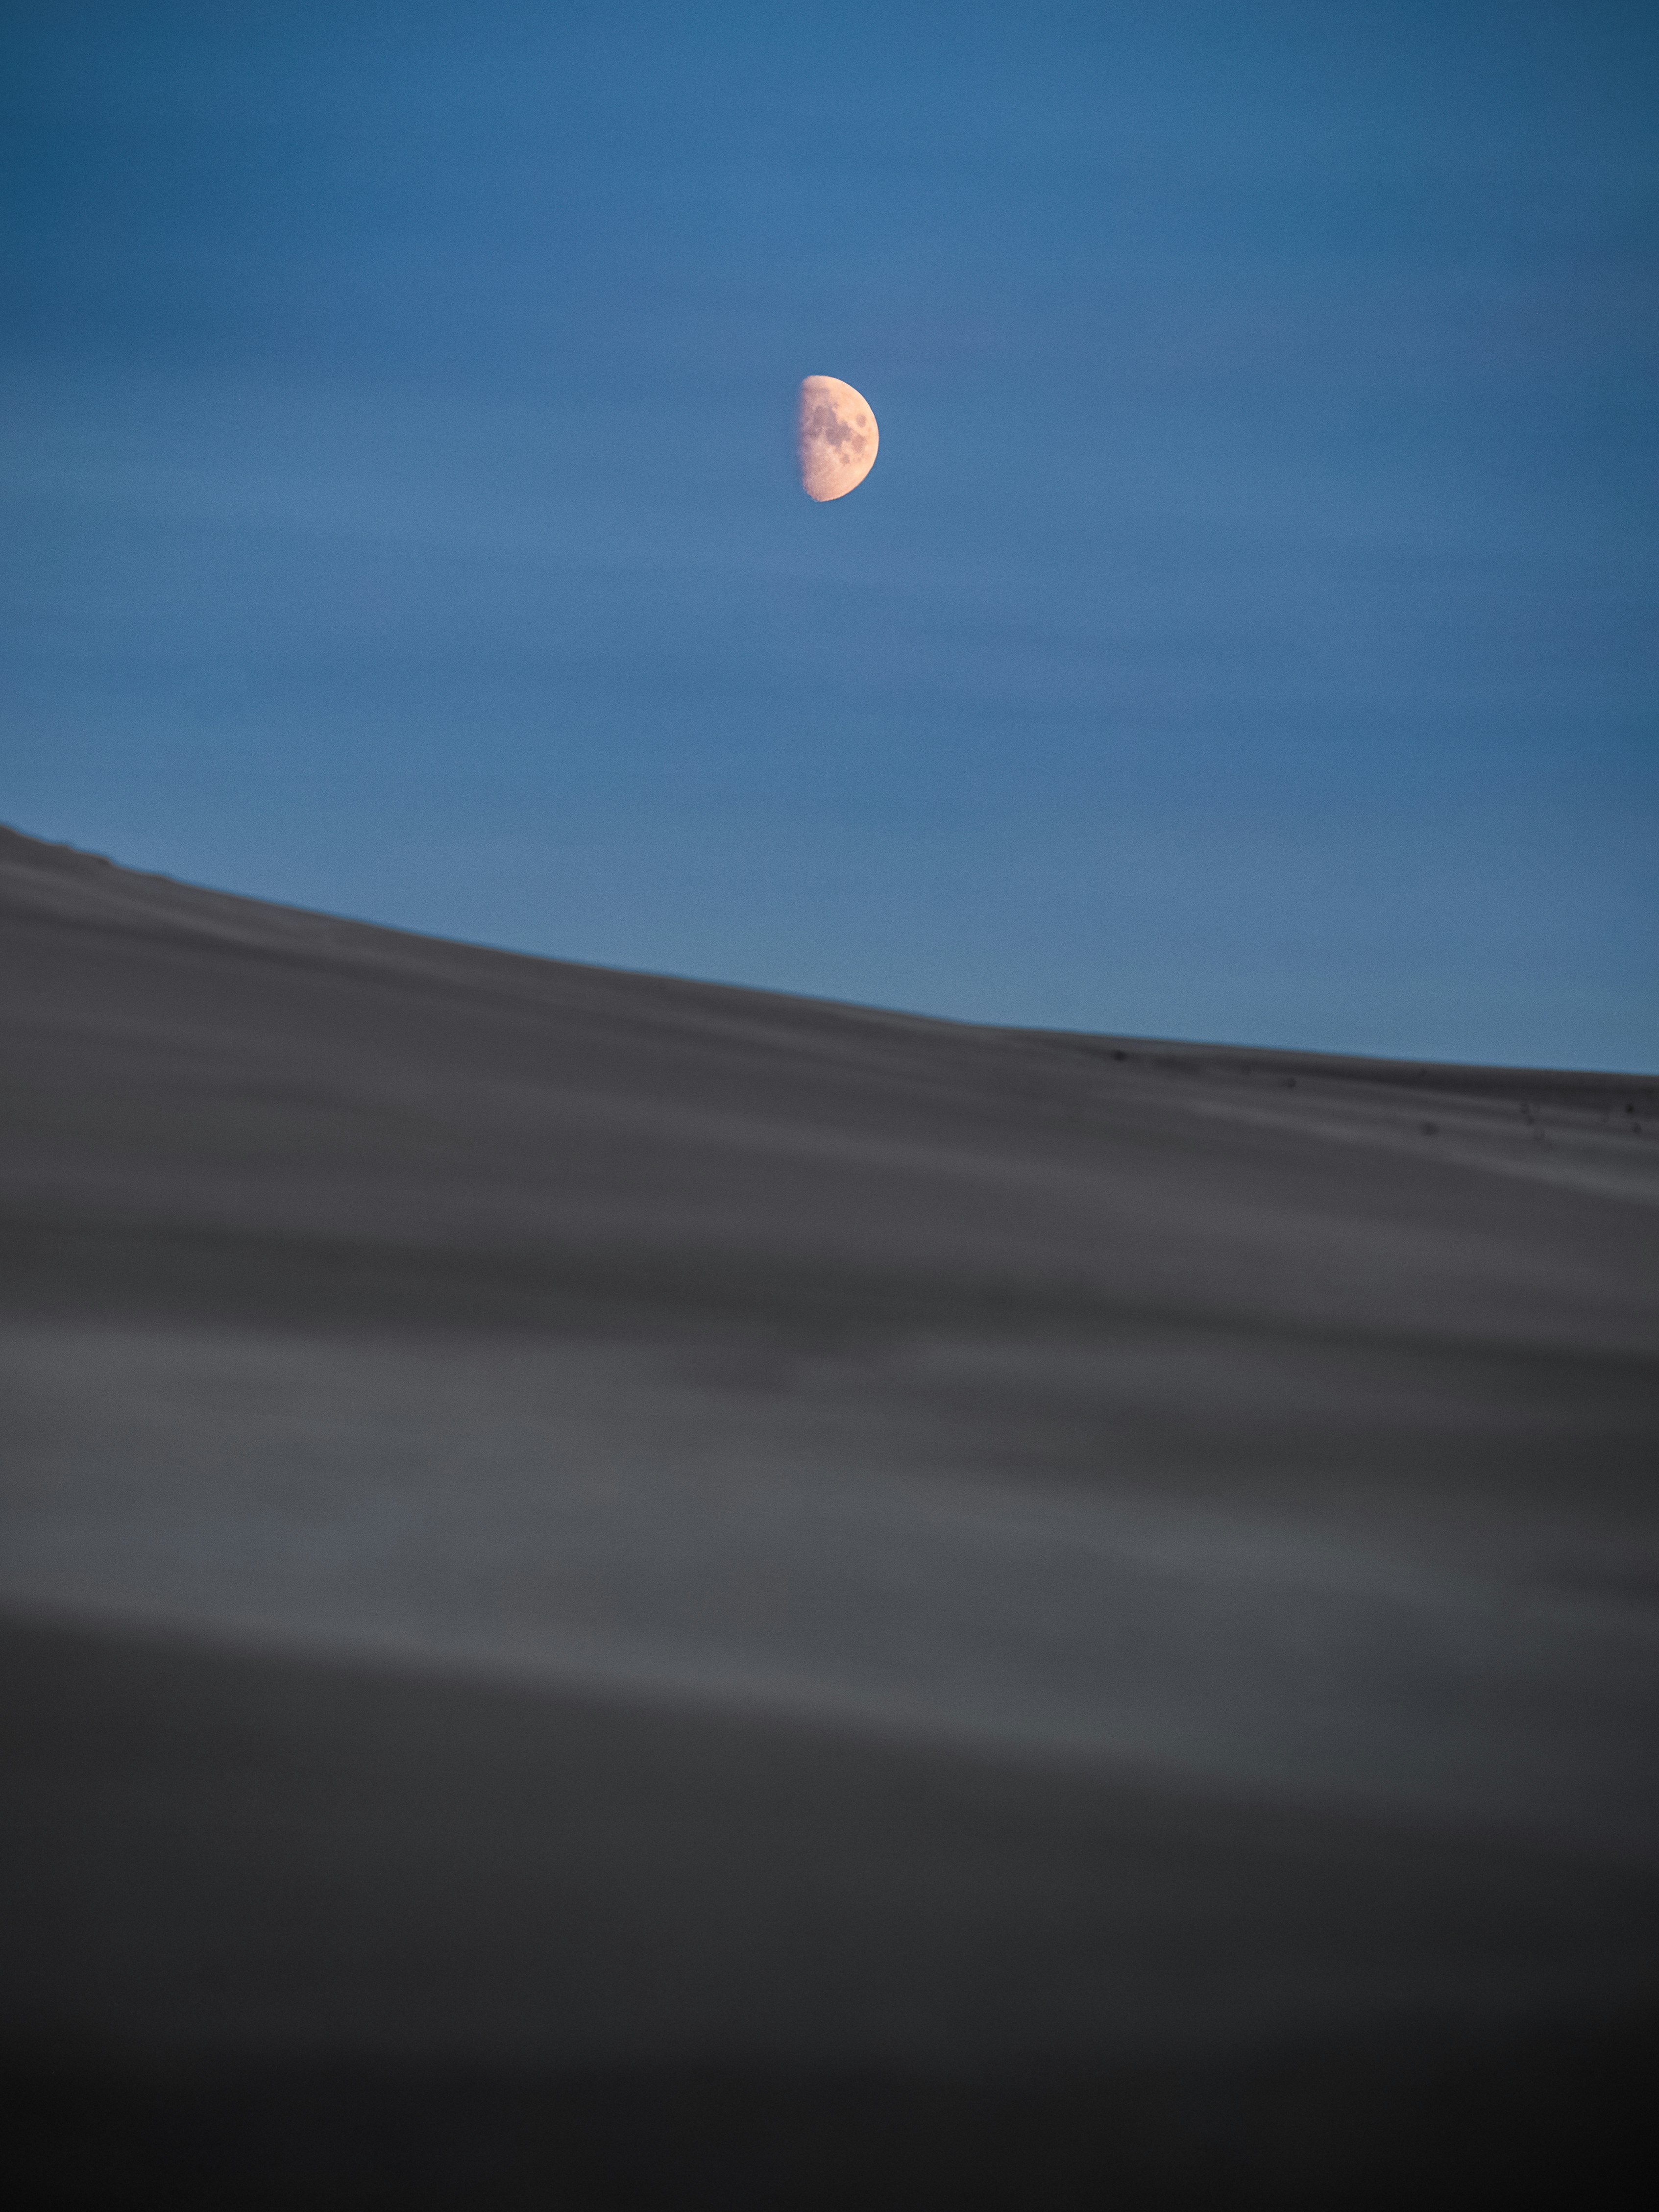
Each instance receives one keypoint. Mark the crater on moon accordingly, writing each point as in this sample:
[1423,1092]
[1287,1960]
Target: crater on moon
[836,437]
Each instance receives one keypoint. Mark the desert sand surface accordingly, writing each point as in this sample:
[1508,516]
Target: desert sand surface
[620,1590]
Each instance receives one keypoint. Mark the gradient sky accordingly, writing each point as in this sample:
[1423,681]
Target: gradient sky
[1249,628]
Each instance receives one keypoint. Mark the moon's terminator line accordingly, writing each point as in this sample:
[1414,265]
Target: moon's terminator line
[836,437]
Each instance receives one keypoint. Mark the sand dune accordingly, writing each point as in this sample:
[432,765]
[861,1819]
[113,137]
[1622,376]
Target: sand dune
[623,1589]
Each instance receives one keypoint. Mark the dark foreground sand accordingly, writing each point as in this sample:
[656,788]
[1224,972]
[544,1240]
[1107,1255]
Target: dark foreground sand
[614,1591]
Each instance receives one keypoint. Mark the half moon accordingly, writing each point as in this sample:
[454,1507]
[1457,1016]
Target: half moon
[836,436]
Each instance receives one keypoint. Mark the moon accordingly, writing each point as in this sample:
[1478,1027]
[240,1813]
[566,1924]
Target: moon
[836,437]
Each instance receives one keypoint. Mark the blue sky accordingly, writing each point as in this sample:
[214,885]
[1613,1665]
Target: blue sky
[1248,631]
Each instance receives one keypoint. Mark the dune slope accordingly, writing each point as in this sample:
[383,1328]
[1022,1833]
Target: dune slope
[657,1591]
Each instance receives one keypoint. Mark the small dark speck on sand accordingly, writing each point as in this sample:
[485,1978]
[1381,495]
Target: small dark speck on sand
[1431,1129]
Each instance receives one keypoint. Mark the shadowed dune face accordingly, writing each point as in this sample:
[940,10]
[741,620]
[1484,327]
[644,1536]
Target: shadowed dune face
[565,1520]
